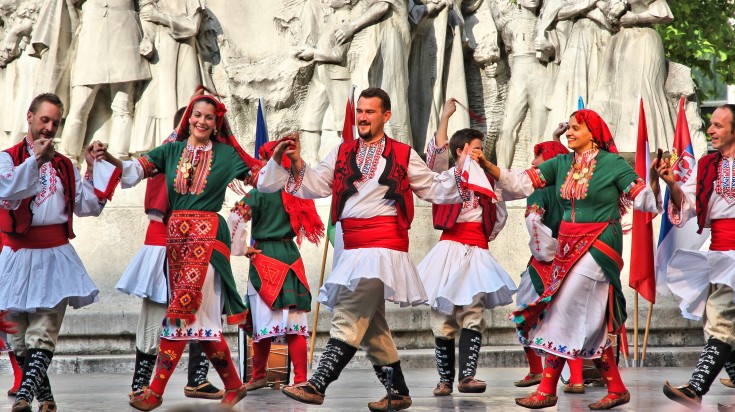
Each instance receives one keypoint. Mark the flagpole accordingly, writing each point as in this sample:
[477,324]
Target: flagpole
[318,304]
[635,331]
[645,335]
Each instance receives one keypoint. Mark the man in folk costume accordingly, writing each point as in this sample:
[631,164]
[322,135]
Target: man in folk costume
[460,275]
[584,301]
[708,195]
[278,292]
[372,181]
[145,277]
[543,217]
[40,191]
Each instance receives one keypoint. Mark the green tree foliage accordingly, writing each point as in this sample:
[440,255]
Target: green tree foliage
[702,36]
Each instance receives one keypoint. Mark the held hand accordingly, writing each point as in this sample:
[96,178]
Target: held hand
[305,53]
[478,156]
[463,157]
[293,151]
[146,48]
[251,252]
[663,170]
[450,106]
[43,149]
[344,33]
[563,127]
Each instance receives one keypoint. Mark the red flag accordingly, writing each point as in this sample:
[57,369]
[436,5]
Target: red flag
[348,130]
[642,274]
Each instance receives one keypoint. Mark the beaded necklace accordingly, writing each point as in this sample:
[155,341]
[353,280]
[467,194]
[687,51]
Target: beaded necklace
[193,169]
[579,175]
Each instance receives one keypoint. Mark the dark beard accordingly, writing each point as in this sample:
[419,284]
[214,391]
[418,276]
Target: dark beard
[365,136]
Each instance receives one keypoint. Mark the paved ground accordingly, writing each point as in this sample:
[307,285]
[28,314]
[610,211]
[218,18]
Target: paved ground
[355,388]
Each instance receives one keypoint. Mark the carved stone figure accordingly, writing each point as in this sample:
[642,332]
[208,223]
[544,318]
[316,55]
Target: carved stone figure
[436,66]
[107,54]
[176,70]
[18,69]
[330,84]
[634,67]
[594,22]
[384,61]
[528,78]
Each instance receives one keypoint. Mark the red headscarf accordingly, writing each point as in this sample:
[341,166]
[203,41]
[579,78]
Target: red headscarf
[604,140]
[305,221]
[549,150]
[600,132]
[223,135]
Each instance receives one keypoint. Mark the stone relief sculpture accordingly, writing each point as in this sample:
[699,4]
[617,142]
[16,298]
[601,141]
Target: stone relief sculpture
[331,83]
[108,54]
[384,61]
[170,45]
[52,42]
[436,66]
[594,22]
[528,78]
[16,84]
[634,67]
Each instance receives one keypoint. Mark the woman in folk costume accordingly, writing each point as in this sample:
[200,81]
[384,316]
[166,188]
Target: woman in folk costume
[198,168]
[583,302]
[7,327]
[460,275]
[278,304]
[544,213]
[145,277]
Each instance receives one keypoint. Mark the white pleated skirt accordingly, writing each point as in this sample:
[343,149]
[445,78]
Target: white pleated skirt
[401,281]
[208,323]
[276,323]
[690,272]
[145,277]
[453,274]
[574,325]
[41,278]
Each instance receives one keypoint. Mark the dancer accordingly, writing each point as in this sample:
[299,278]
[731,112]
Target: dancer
[544,214]
[40,191]
[278,304]
[145,278]
[708,196]
[6,348]
[372,181]
[584,301]
[198,166]
[460,275]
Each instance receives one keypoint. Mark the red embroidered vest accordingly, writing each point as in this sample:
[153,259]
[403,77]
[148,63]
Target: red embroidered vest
[445,216]
[395,177]
[19,221]
[706,176]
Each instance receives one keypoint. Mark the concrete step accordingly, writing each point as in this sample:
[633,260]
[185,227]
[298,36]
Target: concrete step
[490,357]
[88,332]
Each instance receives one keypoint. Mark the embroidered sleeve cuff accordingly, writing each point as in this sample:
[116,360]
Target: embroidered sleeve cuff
[537,178]
[534,209]
[635,188]
[675,214]
[432,152]
[149,169]
[242,210]
[294,182]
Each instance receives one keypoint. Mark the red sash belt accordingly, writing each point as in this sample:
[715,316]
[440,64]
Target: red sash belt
[723,234]
[39,237]
[156,234]
[192,237]
[273,273]
[379,231]
[466,233]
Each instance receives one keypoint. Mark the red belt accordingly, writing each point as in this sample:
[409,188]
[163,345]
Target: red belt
[723,234]
[156,234]
[466,233]
[379,231]
[39,237]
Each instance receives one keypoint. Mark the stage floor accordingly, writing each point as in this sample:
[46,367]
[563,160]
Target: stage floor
[355,388]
